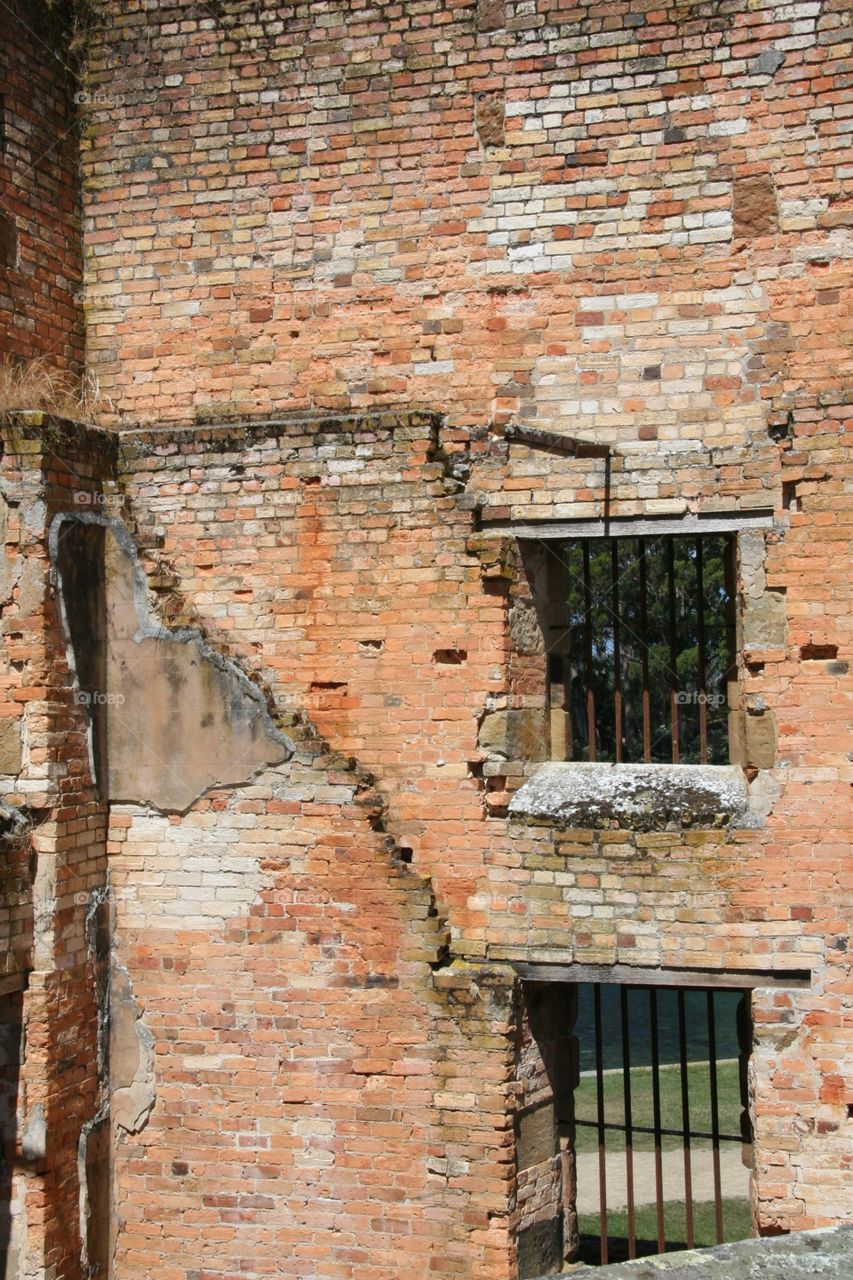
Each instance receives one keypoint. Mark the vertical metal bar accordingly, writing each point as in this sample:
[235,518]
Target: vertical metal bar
[730,581]
[602,1133]
[715,1118]
[685,1119]
[656,1122]
[673,648]
[629,1124]
[617,648]
[566,650]
[644,653]
[703,673]
[590,691]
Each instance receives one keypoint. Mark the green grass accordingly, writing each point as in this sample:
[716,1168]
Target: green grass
[699,1084]
[736,1226]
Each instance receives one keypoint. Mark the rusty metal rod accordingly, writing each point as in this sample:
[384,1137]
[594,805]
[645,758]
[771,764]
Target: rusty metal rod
[715,1118]
[685,1119]
[664,1131]
[602,1155]
[656,1118]
[629,1128]
[617,648]
[672,628]
[590,691]
[703,673]
[644,654]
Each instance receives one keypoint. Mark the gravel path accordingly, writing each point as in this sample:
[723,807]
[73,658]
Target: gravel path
[734,1177]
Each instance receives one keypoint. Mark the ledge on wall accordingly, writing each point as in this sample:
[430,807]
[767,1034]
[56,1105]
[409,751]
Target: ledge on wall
[639,797]
[826,1252]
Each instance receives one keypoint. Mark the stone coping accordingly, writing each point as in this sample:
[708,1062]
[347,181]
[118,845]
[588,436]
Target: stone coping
[825,1254]
[639,797]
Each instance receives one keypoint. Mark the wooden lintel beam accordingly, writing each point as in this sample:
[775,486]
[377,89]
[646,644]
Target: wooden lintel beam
[11,982]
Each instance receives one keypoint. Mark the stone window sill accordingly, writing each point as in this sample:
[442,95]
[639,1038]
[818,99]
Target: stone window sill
[637,797]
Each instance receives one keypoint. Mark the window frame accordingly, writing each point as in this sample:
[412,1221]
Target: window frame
[593,643]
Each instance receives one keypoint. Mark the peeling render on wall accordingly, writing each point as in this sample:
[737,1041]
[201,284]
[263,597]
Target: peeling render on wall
[179,717]
[132,1082]
[93,1148]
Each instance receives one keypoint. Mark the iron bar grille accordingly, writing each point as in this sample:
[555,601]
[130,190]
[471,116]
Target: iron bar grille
[642,1034]
[642,648]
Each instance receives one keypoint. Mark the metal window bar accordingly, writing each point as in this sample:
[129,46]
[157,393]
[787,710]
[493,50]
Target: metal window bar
[659,1202]
[629,1128]
[647,618]
[602,1140]
[672,621]
[588,650]
[715,1118]
[644,653]
[703,672]
[730,570]
[617,650]
[685,1119]
[657,1129]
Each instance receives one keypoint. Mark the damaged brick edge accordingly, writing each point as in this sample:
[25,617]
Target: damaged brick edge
[133,1093]
[15,826]
[127,1088]
[368,796]
[238,430]
[99,899]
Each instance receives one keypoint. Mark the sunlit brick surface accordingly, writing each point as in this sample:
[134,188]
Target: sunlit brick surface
[331,253]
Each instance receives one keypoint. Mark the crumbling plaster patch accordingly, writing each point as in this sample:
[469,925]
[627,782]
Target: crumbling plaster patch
[34,1136]
[132,1083]
[179,717]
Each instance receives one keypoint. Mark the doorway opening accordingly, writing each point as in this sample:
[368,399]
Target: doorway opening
[658,1123]
[633,1132]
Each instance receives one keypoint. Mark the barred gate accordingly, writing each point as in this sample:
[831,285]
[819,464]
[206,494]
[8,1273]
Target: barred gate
[680,1129]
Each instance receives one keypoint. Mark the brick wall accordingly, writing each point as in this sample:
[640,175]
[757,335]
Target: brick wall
[412,224]
[629,219]
[41,312]
[320,1104]
[276,936]
[343,567]
[61,860]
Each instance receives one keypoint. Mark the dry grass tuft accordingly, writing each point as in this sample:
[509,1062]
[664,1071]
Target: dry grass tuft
[34,384]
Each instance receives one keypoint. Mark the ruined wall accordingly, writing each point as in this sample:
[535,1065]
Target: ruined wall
[332,558]
[51,1037]
[41,312]
[337,566]
[317,1076]
[316,1101]
[546,1072]
[625,225]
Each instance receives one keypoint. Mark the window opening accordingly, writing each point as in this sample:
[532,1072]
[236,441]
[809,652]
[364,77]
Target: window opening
[642,648]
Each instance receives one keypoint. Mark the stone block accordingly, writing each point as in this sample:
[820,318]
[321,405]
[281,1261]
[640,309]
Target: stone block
[490,119]
[491,15]
[755,209]
[10,746]
[760,740]
[518,734]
